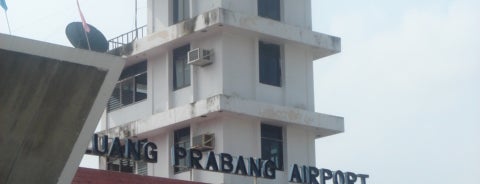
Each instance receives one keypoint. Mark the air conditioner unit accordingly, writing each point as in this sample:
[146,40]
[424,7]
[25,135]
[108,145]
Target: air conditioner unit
[200,57]
[204,142]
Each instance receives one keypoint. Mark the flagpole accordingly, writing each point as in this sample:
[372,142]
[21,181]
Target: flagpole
[8,23]
[84,26]
[88,41]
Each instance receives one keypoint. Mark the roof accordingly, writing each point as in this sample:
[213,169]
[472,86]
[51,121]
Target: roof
[93,176]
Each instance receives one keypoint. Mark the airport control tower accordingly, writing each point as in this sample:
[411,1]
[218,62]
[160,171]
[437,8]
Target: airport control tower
[224,78]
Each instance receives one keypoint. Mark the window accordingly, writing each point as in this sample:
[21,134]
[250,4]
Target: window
[269,64]
[181,138]
[181,70]
[131,88]
[272,144]
[269,9]
[181,9]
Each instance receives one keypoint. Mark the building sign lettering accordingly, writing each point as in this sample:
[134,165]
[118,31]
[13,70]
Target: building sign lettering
[254,167]
[146,151]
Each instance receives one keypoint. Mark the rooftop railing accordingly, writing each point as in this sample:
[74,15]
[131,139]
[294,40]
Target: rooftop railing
[127,38]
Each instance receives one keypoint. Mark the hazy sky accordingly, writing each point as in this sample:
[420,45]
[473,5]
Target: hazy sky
[407,80]
[408,84]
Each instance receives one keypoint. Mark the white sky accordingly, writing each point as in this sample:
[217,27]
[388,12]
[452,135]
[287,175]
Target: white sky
[407,80]
[408,84]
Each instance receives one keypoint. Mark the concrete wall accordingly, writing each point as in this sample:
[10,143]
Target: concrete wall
[163,167]
[161,80]
[126,114]
[298,13]
[241,75]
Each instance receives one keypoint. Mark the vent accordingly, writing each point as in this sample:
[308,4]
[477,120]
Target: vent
[204,142]
[200,57]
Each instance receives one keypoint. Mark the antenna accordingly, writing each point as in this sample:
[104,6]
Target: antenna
[81,39]
[136,19]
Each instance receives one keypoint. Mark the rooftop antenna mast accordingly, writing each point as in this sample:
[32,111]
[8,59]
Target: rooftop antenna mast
[136,19]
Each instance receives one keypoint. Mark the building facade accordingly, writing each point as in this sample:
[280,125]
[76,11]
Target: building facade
[221,76]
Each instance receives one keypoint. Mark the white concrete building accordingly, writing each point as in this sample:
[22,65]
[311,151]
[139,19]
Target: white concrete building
[254,97]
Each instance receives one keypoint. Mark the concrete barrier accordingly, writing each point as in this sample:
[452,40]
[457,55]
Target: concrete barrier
[51,98]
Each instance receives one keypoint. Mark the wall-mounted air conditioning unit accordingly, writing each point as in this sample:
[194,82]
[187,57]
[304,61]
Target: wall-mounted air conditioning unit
[200,57]
[204,142]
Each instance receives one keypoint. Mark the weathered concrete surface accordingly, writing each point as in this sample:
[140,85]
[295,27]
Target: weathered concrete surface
[221,20]
[51,98]
[321,124]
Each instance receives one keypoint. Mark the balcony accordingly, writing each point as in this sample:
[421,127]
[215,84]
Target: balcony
[121,45]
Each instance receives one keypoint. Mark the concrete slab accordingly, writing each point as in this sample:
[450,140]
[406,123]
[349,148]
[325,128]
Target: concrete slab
[222,20]
[321,124]
[51,98]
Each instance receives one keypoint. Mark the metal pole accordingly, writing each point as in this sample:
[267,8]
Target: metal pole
[136,19]
[8,23]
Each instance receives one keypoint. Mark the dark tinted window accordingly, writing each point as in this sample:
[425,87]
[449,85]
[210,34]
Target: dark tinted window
[131,88]
[269,64]
[134,70]
[181,70]
[269,9]
[181,9]
[272,144]
[181,138]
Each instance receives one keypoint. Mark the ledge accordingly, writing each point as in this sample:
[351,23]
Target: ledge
[221,105]
[219,20]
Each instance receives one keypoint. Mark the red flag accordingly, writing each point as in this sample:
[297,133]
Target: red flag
[84,23]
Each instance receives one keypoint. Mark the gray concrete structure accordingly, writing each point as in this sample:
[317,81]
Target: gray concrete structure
[51,98]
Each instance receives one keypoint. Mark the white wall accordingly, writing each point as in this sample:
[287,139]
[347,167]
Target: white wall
[241,76]
[298,76]
[129,113]
[248,7]
[239,60]
[158,15]
[298,13]
[161,77]
[202,6]
[207,80]
[162,168]
[300,146]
